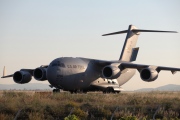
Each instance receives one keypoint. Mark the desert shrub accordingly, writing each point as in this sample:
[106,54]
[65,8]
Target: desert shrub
[81,99]
[49,110]
[71,104]
[169,114]
[86,106]
[4,116]
[36,116]
[168,105]
[9,94]
[80,113]
[21,114]
[100,112]
[71,117]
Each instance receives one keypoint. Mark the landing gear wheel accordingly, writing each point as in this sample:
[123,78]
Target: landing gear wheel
[73,91]
[84,91]
[104,92]
[108,90]
[56,90]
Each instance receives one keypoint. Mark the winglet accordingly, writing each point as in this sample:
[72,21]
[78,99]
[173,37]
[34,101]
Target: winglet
[4,71]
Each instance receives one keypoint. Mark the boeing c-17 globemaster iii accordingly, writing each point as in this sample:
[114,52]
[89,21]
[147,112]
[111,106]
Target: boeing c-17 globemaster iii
[84,74]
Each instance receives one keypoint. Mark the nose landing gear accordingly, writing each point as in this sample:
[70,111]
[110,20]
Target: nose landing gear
[110,90]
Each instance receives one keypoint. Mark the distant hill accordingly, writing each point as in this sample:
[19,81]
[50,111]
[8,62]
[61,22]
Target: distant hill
[29,86]
[169,87]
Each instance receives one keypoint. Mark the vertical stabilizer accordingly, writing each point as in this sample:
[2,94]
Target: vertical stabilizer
[129,51]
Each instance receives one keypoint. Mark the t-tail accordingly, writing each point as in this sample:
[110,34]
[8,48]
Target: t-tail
[129,50]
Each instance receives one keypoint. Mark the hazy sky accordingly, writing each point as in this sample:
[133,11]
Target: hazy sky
[33,33]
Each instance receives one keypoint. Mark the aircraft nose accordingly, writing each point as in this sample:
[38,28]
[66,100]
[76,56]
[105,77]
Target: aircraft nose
[52,72]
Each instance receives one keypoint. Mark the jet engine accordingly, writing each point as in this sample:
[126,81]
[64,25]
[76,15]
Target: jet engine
[148,74]
[40,74]
[111,72]
[22,77]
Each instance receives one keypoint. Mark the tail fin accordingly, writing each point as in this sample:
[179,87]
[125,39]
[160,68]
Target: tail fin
[130,51]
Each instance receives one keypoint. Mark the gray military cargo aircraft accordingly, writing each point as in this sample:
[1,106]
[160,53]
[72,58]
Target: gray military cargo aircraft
[84,74]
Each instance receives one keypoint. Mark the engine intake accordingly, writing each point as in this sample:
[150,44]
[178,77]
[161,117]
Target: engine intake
[111,72]
[148,74]
[40,74]
[22,77]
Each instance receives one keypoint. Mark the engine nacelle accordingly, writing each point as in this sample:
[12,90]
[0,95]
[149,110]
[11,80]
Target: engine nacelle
[148,74]
[111,72]
[40,74]
[22,77]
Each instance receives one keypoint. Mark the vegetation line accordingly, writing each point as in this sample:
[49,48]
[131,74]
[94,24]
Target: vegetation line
[65,106]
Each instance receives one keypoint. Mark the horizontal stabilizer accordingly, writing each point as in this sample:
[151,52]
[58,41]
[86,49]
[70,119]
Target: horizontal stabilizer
[138,30]
[114,33]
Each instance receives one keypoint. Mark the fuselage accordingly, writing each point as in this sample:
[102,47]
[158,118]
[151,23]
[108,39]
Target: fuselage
[69,73]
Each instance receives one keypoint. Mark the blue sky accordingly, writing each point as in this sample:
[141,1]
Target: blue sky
[33,33]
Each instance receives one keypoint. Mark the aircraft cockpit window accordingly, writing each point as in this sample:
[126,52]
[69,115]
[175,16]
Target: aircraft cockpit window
[59,64]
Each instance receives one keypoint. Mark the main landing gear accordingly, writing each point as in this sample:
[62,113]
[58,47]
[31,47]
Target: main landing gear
[56,90]
[110,90]
[78,91]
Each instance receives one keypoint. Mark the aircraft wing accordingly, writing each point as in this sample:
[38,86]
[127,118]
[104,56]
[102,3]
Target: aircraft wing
[7,76]
[124,65]
[25,70]
[141,66]
[103,63]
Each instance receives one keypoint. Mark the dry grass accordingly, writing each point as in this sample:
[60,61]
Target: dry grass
[44,105]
